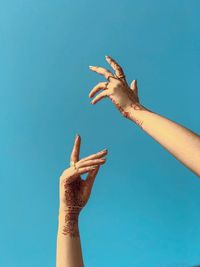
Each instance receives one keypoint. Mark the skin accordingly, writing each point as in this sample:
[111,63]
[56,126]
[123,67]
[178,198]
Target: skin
[74,194]
[181,142]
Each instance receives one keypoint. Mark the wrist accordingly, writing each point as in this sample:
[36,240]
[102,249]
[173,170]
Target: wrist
[68,221]
[133,112]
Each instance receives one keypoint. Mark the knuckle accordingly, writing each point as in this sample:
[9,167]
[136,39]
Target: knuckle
[117,83]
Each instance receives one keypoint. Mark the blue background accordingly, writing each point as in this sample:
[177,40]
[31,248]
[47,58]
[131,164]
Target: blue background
[144,210]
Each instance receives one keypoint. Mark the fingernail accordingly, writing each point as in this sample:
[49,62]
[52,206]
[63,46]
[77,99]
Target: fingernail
[91,66]
[91,103]
[77,135]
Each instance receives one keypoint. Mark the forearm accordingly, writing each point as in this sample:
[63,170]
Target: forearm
[68,253]
[178,140]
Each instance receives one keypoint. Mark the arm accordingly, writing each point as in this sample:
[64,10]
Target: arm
[74,194]
[181,142]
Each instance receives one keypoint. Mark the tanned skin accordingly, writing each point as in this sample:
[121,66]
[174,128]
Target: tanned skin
[181,142]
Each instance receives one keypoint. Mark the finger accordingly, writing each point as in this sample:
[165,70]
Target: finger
[100,96]
[97,88]
[91,162]
[76,149]
[91,177]
[95,156]
[86,169]
[102,71]
[116,67]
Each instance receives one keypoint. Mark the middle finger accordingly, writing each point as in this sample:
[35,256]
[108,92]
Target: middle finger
[95,156]
[106,73]
[98,87]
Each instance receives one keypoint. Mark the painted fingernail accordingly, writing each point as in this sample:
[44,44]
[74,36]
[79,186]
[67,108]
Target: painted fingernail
[91,66]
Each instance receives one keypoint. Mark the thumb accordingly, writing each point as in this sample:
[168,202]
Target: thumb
[133,86]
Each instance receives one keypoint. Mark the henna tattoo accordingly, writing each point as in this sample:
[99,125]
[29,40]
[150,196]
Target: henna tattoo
[128,114]
[74,202]
[71,222]
[139,123]
[137,107]
[124,113]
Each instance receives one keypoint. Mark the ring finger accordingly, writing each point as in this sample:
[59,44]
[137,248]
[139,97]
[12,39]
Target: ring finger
[97,88]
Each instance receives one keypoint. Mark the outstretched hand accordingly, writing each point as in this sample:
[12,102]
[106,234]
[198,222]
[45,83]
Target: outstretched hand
[75,191]
[117,88]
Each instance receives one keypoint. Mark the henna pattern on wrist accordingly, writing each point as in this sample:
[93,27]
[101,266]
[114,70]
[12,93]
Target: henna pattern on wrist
[137,107]
[73,206]
[71,222]
[127,114]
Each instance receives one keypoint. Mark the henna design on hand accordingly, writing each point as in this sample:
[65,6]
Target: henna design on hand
[123,96]
[74,191]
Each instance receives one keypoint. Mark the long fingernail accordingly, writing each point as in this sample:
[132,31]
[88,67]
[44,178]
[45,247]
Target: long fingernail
[77,135]
[91,66]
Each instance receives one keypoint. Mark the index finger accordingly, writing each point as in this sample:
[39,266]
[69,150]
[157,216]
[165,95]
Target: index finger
[76,149]
[116,67]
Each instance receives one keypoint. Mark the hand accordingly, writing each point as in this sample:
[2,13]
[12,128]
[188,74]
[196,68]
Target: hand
[74,191]
[116,89]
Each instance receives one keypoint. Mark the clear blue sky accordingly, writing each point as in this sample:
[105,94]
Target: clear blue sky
[145,206]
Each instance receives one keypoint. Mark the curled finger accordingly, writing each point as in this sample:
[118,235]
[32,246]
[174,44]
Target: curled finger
[95,156]
[97,88]
[92,162]
[100,96]
[84,170]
